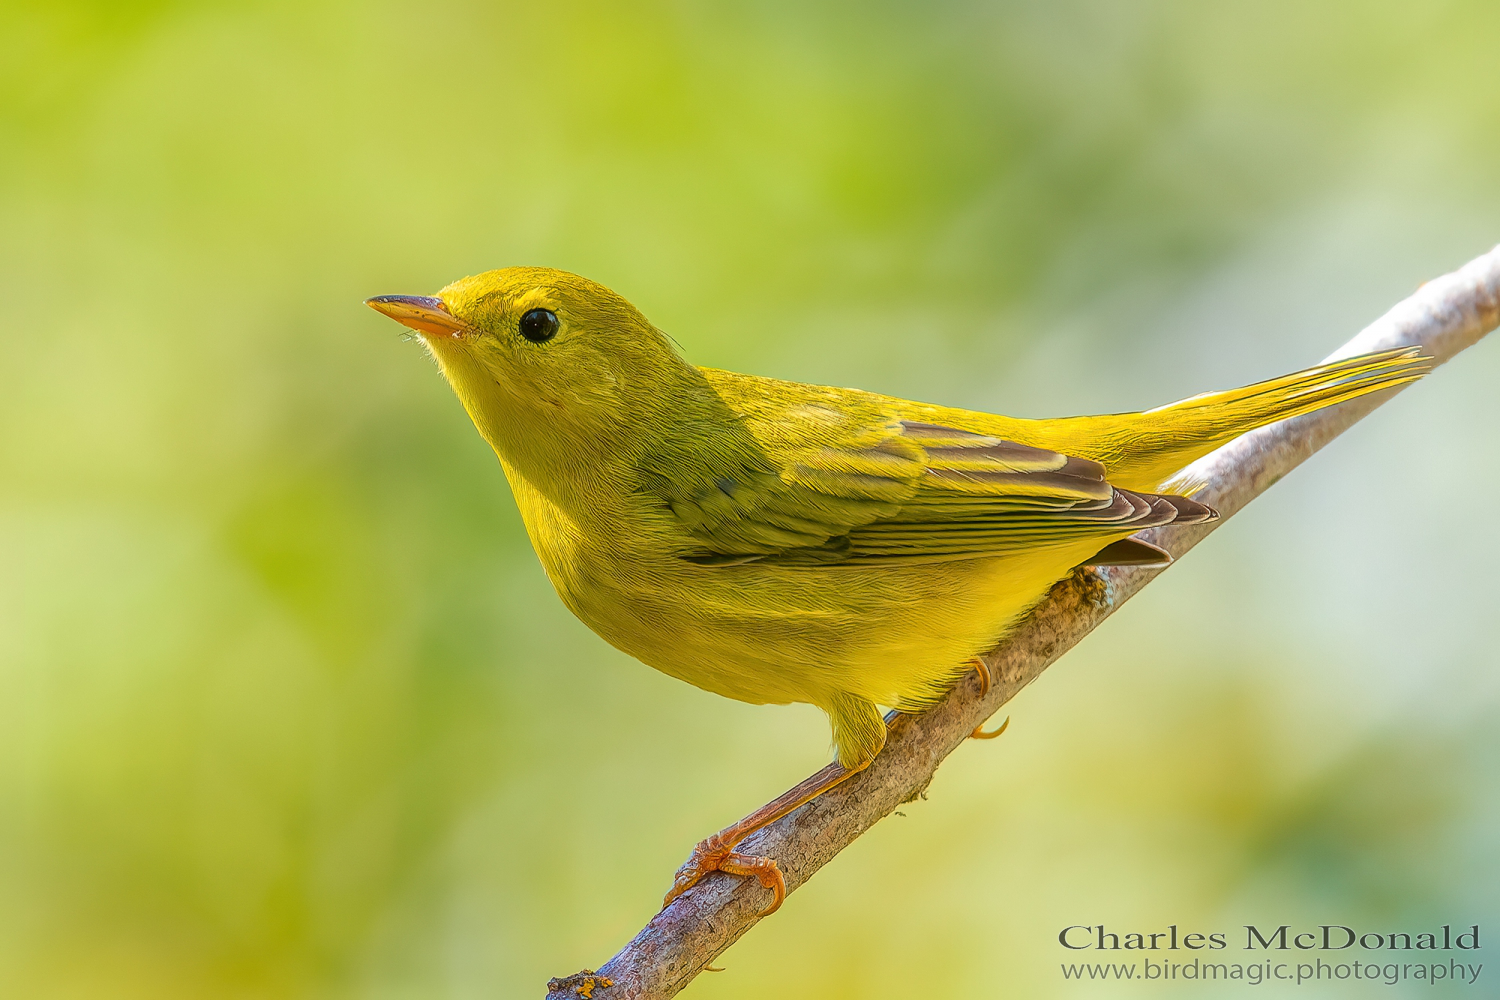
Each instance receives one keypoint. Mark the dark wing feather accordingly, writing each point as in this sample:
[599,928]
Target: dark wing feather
[899,493]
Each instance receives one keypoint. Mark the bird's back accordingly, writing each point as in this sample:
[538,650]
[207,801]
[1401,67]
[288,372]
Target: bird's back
[1139,450]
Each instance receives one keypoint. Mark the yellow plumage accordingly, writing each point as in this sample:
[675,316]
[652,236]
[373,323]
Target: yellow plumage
[778,542]
[773,541]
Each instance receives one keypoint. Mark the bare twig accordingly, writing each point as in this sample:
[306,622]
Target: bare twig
[1443,317]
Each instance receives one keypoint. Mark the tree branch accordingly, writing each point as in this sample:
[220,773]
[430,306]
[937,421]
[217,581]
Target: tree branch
[1444,317]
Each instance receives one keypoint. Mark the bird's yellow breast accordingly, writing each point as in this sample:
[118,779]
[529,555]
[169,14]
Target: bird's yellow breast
[760,632]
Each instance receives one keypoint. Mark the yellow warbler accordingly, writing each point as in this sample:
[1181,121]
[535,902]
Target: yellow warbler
[779,542]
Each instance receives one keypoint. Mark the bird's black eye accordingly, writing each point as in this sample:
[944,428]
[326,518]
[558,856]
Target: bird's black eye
[539,325]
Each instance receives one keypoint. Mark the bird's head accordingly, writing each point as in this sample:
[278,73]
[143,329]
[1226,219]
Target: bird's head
[552,367]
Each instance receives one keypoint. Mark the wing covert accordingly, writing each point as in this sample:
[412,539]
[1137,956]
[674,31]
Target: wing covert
[899,492]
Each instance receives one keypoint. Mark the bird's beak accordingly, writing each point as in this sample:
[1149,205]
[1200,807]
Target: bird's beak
[422,313]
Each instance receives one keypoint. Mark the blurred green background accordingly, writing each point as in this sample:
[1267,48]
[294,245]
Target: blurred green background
[288,708]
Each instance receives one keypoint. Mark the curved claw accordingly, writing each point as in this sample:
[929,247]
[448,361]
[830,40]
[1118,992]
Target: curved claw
[983,670]
[980,734]
[687,876]
[710,857]
[763,869]
[717,854]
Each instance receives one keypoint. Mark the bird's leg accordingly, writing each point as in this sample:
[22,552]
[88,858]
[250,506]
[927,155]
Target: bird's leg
[983,670]
[717,853]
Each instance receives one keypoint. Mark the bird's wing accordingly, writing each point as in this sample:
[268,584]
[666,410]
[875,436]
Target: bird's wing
[896,492]
[982,495]
[743,495]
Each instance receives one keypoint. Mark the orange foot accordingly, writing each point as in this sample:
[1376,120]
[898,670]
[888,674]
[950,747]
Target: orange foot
[717,854]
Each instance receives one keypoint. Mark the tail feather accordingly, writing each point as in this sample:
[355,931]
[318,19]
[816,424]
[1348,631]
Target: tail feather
[1144,451]
[1308,390]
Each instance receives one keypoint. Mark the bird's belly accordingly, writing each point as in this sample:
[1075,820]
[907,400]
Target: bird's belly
[897,635]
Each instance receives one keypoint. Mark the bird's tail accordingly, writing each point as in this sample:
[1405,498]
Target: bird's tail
[1143,451]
